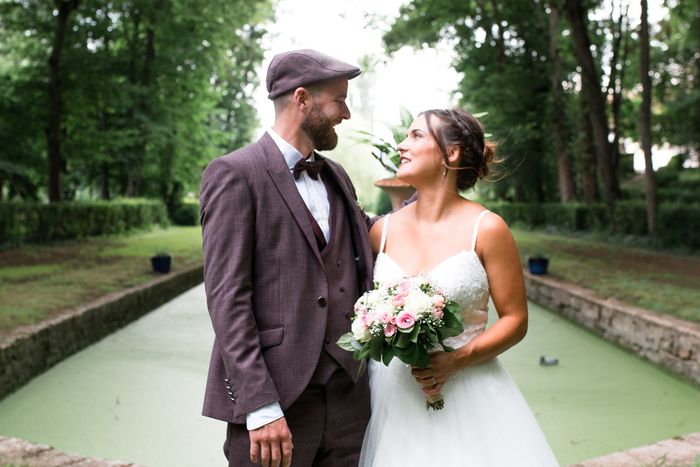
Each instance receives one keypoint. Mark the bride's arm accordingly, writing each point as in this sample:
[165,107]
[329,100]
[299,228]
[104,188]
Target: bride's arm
[501,260]
[499,254]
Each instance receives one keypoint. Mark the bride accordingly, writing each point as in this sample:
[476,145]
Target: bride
[486,422]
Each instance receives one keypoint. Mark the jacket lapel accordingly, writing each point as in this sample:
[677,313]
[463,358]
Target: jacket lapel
[284,182]
[358,227]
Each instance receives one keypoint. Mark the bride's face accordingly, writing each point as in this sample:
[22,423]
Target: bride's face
[420,157]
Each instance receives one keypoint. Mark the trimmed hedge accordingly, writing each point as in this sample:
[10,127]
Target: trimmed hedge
[37,222]
[185,214]
[678,224]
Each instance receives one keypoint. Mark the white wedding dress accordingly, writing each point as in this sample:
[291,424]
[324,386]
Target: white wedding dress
[486,422]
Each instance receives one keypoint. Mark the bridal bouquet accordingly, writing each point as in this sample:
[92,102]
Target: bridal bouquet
[406,319]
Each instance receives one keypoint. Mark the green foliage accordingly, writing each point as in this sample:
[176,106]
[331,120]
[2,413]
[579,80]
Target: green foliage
[506,77]
[386,152]
[677,222]
[185,214]
[383,203]
[38,222]
[151,93]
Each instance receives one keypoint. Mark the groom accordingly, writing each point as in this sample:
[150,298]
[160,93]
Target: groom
[286,254]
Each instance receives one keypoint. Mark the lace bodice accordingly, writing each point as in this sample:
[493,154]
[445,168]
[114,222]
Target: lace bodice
[461,277]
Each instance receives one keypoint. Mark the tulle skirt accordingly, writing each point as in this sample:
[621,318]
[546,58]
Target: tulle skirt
[486,422]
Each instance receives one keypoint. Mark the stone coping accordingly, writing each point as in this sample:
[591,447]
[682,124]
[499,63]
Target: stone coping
[667,341]
[31,350]
[680,451]
[20,453]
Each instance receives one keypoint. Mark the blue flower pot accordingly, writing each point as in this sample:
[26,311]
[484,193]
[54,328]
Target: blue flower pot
[160,264]
[538,266]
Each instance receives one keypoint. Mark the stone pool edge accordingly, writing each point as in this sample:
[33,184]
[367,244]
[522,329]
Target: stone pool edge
[667,341]
[23,453]
[31,350]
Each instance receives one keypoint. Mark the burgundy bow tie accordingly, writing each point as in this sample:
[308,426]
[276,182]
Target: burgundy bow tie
[312,168]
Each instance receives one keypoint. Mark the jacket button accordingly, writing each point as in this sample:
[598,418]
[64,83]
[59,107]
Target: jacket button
[322,301]
[337,263]
[327,340]
[342,289]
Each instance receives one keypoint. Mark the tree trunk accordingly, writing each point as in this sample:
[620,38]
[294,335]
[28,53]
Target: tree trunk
[620,47]
[104,182]
[645,120]
[591,91]
[2,187]
[64,8]
[567,192]
[589,180]
[499,34]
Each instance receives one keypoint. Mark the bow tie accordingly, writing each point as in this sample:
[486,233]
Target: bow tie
[312,168]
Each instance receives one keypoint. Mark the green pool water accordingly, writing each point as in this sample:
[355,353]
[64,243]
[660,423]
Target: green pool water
[136,395]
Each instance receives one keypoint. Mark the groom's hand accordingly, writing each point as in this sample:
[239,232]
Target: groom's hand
[271,444]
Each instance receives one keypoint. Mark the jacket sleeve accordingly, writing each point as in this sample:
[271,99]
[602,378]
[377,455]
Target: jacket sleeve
[227,215]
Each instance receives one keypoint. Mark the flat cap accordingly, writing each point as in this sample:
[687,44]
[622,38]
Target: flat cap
[289,70]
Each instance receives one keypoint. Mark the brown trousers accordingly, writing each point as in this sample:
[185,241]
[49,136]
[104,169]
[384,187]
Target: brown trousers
[327,422]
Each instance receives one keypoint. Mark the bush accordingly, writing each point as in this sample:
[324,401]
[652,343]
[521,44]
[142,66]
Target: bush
[185,214]
[37,222]
[678,223]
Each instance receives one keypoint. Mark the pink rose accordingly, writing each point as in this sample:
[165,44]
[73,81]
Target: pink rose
[404,288]
[437,312]
[389,330]
[405,320]
[438,301]
[397,301]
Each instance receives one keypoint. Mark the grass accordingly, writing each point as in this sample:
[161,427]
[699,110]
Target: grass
[38,281]
[661,281]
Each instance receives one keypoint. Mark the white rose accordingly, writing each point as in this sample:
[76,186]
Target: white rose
[359,331]
[418,303]
[373,297]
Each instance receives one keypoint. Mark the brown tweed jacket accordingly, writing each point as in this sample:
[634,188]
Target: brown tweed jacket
[265,282]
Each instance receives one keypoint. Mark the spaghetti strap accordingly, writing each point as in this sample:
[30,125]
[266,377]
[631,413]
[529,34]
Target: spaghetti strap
[476,228]
[385,227]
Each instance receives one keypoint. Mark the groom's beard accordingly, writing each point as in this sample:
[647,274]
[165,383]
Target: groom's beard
[320,129]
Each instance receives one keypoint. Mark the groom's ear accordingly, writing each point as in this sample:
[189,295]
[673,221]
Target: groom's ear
[302,99]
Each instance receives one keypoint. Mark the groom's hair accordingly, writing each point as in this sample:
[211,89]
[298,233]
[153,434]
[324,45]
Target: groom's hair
[281,102]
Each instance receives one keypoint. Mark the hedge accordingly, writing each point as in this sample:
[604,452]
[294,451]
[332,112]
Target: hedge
[22,222]
[678,224]
[185,214]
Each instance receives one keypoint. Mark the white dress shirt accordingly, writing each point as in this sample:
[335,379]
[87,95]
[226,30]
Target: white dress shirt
[315,196]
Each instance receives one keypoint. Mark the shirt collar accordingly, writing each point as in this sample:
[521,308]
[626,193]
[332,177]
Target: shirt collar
[290,153]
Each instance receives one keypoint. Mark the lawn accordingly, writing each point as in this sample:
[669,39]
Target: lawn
[660,281]
[36,281]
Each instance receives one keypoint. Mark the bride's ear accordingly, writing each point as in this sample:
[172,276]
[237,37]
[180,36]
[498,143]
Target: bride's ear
[454,154]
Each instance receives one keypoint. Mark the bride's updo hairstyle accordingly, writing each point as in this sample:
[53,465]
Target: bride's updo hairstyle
[458,128]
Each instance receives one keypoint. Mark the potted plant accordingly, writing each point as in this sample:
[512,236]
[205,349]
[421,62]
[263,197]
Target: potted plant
[161,261]
[387,154]
[537,264]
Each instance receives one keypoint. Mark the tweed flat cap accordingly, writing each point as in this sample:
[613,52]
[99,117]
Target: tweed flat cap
[289,70]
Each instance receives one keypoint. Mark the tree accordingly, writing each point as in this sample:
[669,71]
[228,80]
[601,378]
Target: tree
[567,191]
[147,93]
[591,90]
[56,163]
[645,120]
[501,50]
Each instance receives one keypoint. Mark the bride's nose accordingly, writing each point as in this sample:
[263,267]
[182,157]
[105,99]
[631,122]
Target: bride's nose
[402,146]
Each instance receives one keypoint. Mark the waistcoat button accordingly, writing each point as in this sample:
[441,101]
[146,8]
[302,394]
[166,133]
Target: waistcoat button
[322,301]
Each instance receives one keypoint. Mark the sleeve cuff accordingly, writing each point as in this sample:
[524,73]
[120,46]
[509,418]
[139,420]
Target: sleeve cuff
[264,415]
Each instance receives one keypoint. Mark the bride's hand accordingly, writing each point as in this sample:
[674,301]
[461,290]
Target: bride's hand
[442,366]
